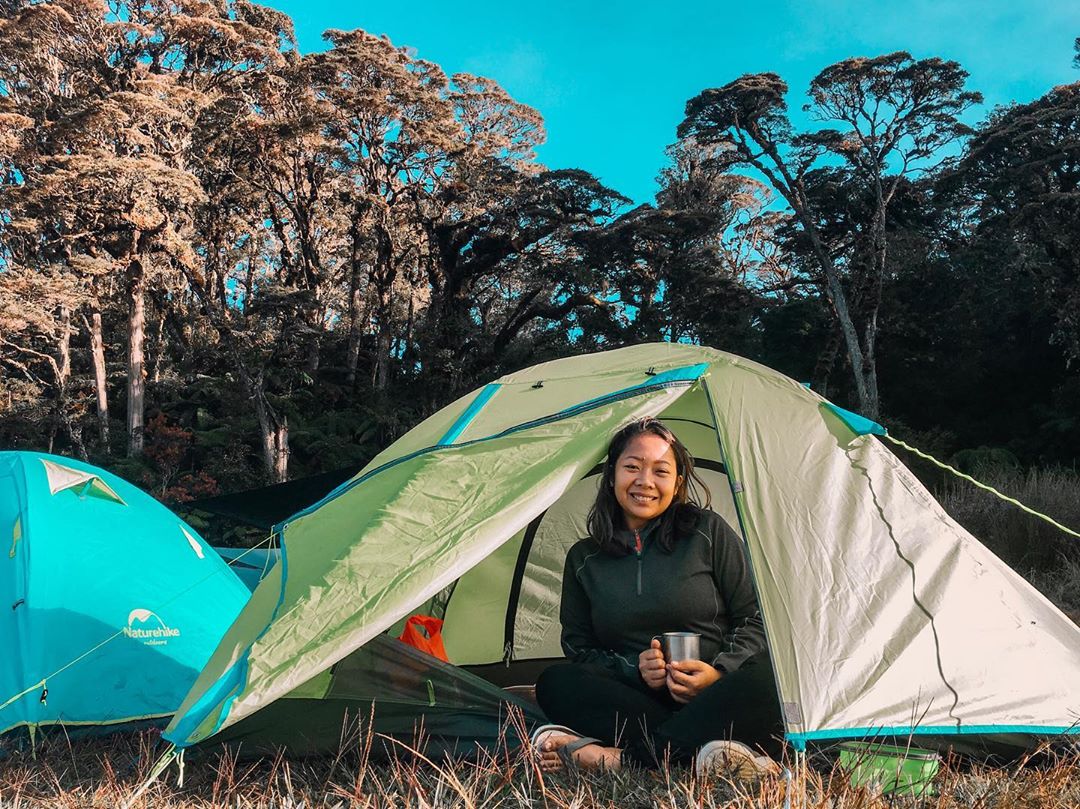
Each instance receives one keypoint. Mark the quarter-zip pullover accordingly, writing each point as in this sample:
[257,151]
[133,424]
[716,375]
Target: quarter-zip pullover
[612,606]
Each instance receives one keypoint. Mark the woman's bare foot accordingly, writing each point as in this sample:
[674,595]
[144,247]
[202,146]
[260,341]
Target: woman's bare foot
[590,756]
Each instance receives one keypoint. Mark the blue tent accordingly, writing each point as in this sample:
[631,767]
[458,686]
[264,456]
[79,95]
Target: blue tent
[110,604]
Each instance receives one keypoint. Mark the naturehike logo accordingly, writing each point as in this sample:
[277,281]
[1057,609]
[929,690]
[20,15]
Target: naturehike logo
[153,631]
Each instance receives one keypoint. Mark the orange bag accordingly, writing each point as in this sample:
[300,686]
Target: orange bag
[431,642]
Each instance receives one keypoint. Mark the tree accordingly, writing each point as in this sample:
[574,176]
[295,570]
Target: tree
[509,265]
[500,259]
[265,284]
[1019,184]
[35,336]
[103,179]
[897,113]
[395,126]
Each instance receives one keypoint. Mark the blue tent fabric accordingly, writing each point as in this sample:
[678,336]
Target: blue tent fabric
[860,425]
[250,564]
[110,604]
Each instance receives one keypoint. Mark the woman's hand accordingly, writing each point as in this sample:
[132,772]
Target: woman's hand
[688,678]
[651,665]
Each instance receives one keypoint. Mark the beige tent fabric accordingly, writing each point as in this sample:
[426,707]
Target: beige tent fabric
[62,478]
[881,611]
[194,543]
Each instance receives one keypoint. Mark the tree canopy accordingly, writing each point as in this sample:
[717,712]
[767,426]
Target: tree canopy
[224,262]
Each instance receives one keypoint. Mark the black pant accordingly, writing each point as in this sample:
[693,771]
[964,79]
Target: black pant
[650,726]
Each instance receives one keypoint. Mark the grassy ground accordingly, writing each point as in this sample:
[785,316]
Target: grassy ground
[107,773]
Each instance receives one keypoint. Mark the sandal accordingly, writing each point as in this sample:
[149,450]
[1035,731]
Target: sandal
[566,752]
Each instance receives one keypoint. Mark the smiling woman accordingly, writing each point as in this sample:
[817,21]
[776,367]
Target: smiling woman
[645,479]
[657,560]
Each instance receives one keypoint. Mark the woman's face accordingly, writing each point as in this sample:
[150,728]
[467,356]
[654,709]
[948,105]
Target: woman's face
[645,479]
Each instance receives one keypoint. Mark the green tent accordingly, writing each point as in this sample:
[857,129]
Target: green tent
[883,615]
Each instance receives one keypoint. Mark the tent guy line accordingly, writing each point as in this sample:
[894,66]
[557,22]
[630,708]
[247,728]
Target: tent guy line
[983,486]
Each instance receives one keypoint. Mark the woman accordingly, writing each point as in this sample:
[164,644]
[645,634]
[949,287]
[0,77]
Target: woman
[656,561]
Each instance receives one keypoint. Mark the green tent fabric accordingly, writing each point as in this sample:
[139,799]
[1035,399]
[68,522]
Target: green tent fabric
[883,615]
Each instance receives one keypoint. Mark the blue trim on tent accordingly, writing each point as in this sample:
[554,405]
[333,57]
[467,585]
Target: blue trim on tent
[860,425]
[949,730]
[687,373]
[231,683]
[465,419]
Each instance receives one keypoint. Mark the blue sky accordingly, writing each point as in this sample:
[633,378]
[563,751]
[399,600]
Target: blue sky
[612,79]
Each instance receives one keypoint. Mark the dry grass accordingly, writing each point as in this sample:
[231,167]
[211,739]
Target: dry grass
[1046,556]
[107,773]
[1023,541]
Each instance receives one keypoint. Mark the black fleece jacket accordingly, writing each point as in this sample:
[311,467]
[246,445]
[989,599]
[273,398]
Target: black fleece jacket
[612,606]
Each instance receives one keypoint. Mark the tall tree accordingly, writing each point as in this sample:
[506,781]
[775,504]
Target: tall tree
[896,115]
[261,153]
[395,127]
[702,257]
[104,179]
[35,345]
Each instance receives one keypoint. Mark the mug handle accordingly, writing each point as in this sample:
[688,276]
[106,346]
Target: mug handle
[660,638]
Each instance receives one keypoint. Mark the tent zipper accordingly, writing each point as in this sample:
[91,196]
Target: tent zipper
[638,548]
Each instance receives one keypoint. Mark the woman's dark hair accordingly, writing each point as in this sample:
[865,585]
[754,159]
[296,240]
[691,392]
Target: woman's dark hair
[606,515]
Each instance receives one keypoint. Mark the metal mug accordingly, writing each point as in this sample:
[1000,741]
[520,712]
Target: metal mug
[678,646]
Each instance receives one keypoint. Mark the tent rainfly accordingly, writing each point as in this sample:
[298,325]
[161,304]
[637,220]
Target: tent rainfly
[111,605]
[884,616]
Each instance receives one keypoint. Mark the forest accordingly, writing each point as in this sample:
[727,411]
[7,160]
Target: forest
[225,263]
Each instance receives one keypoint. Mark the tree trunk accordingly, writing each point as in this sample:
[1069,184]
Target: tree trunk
[872,407]
[352,359]
[311,365]
[158,348]
[136,383]
[381,370]
[274,432]
[63,375]
[823,368]
[795,195]
[63,371]
[835,292]
[879,245]
[97,356]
